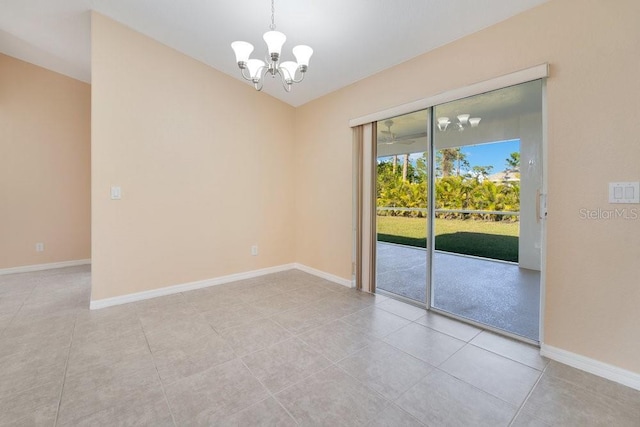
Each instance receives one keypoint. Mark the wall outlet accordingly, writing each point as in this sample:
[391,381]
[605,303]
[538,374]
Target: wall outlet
[254,250]
[116,192]
[39,247]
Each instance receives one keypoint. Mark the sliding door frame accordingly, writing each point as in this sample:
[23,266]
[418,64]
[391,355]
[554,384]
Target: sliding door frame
[431,207]
[538,72]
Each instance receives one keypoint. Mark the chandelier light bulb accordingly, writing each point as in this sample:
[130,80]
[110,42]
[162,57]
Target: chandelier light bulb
[290,69]
[242,51]
[274,41]
[463,119]
[255,67]
[474,121]
[303,54]
[443,123]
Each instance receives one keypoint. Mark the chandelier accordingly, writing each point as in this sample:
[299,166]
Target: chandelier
[464,120]
[254,70]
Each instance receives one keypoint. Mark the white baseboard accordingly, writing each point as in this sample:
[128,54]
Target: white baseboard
[184,287]
[601,369]
[326,276]
[39,267]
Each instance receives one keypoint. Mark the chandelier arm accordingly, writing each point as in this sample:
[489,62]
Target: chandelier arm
[300,79]
[263,72]
[246,77]
[282,71]
[258,84]
[286,84]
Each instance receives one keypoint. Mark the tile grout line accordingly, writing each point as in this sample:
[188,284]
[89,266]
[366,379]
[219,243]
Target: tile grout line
[164,393]
[446,333]
[510,358]
[291,337]
[198,313]
[18,310]
[335,365]
[416,357]
[469,342]
[524,402]
[306,377]
[453,376]
[271,395]
[481,390]
[377,341]
[66,366]
[389,401]
[582,387]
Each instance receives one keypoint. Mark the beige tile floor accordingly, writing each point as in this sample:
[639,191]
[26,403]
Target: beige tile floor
[283,349]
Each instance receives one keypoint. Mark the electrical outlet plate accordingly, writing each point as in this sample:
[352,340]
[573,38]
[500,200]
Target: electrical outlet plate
[116,192]
[624,192]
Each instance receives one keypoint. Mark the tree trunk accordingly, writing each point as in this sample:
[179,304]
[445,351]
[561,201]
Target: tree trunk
[405,167]
[395,164]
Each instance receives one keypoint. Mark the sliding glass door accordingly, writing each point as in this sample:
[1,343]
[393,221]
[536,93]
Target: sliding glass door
[488,176]
[402,214]
[457,219]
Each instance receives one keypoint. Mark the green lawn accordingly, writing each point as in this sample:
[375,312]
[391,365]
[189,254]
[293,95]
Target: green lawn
[488,239]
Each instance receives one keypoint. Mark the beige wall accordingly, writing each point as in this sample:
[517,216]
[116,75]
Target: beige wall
[204,162]
[44,165]
[592,286]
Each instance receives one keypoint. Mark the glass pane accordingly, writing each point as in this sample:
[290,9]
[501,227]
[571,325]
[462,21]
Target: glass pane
[487,237]
[401,201]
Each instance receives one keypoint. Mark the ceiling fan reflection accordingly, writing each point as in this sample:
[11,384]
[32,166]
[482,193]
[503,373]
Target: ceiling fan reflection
[390,138]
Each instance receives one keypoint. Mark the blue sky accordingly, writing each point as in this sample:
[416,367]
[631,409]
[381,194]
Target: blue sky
[493,154]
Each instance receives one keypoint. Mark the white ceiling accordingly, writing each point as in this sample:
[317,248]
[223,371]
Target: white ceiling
[352,39]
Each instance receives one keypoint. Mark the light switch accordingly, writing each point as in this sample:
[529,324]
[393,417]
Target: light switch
[629,192]
[617,193]
[116,192]
[624,192]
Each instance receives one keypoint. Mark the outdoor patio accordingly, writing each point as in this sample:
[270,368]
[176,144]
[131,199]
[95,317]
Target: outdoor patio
[495,293]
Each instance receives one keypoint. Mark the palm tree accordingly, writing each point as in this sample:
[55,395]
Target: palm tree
[513,162]
[405,167]
[450,159]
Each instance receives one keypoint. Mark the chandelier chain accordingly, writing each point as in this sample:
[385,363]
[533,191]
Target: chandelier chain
[273,16]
